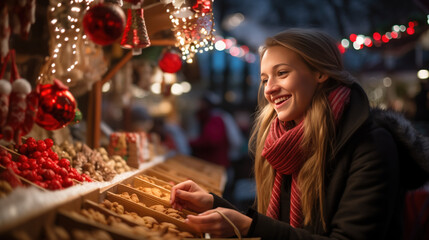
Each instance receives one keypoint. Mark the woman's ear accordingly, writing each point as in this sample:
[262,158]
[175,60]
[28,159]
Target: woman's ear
[321,77]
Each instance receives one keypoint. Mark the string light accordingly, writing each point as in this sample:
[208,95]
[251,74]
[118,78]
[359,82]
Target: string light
[377,39]
[193,29]
[66,29]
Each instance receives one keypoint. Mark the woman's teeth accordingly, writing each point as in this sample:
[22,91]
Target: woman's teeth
[281,99]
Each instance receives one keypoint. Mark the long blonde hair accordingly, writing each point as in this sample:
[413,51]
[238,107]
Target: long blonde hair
[319,51]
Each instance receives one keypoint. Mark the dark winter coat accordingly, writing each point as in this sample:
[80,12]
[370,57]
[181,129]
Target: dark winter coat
[378,156]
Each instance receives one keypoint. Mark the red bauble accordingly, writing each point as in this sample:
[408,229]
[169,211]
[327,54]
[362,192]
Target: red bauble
[204,6]
[56,106]
[104,23]
[170,62]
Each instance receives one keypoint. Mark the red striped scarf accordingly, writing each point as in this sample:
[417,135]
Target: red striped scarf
[282,150]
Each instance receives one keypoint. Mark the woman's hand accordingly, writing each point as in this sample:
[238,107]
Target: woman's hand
[188,195]
[212,222]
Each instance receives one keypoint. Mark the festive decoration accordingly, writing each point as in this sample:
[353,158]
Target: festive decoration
[73,58]
[104,23]
[204,6]
[170,62]
[135,36]
[22,15]
[77,116]
[4,30]
[56,106]
[359,41]
[17,106]
[192,26]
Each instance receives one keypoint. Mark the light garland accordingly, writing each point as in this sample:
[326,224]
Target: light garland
[359,41]
[193,29]
[65,24]
[230,46]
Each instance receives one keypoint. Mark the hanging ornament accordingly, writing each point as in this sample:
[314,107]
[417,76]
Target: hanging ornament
[4,31]
[135,36]
[170,62]
[77,116]
[204,6]
[56,106]
[104,23]
[24,15]
[193,27]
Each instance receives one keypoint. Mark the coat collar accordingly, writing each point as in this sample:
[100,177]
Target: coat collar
[354,116]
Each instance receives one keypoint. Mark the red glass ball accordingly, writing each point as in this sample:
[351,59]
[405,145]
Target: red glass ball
[170,62]
[56,106]
[104,23]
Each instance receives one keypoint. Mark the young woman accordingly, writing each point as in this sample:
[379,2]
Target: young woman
[325,167]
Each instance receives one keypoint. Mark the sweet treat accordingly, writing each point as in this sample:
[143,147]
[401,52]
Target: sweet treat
[132,146]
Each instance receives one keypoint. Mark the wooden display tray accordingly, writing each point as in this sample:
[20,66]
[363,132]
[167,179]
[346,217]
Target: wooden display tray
[175,178]
[75,220]
[189,173]
[146,211]
[211,170]
[149,199]
[138,182]
[156,181]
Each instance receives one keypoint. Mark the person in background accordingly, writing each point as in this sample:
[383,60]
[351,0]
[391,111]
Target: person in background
[326,165]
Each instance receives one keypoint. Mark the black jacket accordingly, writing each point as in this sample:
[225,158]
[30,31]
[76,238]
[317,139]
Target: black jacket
[377,157]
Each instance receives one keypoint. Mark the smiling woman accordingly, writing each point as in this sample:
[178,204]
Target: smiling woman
[326,165]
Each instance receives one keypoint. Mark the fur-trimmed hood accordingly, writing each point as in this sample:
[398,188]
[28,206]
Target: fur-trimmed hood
[413,147]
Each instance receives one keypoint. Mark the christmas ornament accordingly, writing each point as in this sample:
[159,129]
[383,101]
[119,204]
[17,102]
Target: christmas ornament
[5,90]
[135,36]
[4,31]
[104,23]
[56,105]
[14,127]
[25,15]
[204,6]
[193,27]
[170,62]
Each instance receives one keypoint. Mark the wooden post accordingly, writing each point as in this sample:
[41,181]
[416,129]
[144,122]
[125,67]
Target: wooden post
[94,108]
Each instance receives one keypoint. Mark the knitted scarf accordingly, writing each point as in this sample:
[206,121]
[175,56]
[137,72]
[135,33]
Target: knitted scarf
[283,151]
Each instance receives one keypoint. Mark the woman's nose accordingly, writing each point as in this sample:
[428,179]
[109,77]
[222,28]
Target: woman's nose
[271,87]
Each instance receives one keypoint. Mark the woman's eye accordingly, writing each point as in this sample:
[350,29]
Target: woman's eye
[264,81]
[282,73]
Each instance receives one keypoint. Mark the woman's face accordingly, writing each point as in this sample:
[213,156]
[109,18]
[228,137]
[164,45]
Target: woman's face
[288,82]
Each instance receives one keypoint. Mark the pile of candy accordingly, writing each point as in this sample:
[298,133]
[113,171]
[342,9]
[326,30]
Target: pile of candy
[40,165]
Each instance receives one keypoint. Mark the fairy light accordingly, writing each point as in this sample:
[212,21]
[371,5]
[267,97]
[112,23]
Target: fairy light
[185,20]
[67,31]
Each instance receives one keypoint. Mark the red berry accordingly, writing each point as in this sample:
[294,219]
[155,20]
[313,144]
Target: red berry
[54,185]
[32,146]
[30,140]
[23,148]
[86,178]
[49,142]
[48,174]
[41,145]
[67,182]
[22,158]
[64,173]
[24,166]
[64,162]
[33,164]
[36,154]
[5,160]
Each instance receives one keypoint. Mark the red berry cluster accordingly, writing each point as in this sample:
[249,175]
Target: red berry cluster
[39,164]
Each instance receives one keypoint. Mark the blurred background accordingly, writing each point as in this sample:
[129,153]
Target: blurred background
[385,45]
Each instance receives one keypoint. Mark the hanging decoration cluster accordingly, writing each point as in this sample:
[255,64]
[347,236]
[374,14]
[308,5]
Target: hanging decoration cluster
[73,58]
[15,17]
[135,36]
[18,103]
[377,39]
[193,25]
